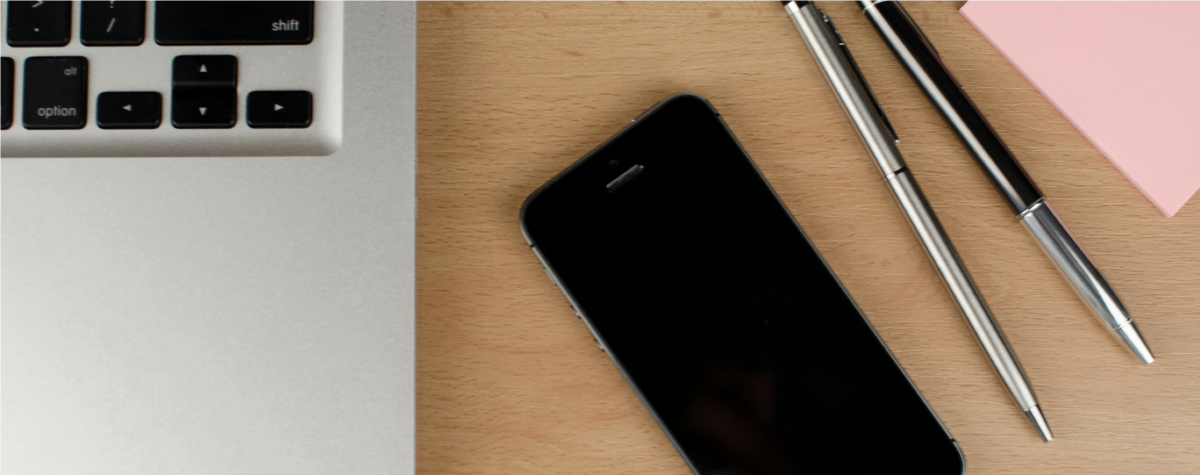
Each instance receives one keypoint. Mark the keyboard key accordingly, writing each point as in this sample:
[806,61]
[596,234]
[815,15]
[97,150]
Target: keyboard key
[129,110]
[39,23]
[203,108]
[112,23]
[55,92]
[8,93]
[204,72]
[279,109]
[233,23]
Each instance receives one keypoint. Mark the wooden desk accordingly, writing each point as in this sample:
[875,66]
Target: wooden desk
[509,381]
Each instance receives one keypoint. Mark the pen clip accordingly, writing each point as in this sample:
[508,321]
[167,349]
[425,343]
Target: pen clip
[858,75]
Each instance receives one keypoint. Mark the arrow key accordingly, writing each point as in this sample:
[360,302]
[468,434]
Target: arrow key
[201,108]
[279,109]
[129,110]
[193,72]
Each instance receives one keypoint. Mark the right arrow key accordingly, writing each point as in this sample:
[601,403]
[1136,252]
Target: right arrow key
[279,109]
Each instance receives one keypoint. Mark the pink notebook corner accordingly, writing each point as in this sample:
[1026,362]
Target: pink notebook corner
[1126,74]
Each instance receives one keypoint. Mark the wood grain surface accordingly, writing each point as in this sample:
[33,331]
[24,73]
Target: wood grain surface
[509,382]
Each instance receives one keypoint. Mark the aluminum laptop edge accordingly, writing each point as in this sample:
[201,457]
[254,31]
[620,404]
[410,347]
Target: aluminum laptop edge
[228,315]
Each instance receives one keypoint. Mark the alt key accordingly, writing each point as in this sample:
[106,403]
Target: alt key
[55,92]
[129,110]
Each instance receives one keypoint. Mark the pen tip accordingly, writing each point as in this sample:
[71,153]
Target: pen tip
[1039,422]
[1132,338]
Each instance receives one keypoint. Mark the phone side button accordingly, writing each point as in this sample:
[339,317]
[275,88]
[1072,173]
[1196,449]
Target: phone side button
[560,287]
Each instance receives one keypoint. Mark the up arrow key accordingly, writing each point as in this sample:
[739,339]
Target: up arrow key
[204,72]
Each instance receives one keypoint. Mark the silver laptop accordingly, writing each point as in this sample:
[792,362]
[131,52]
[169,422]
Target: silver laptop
[207,238]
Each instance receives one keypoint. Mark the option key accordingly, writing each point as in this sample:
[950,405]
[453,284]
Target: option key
[55,92]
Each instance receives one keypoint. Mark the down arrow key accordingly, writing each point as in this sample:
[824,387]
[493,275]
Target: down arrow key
[204,108]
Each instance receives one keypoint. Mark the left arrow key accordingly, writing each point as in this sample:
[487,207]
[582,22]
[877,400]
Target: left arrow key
[129,110]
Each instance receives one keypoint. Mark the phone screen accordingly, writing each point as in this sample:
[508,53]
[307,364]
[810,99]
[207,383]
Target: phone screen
[721,314]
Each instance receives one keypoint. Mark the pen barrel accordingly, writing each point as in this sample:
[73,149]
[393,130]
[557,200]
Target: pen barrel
[926,67]
[850,93]
[962,288]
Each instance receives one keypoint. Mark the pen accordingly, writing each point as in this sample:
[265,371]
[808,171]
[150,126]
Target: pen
[925,66]
[851,89]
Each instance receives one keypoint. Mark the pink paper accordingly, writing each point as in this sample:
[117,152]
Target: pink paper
[1127,74]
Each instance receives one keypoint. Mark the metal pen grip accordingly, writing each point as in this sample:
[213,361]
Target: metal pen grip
[1089,284]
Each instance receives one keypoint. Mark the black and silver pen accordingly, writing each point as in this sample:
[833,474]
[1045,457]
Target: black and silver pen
[866,115]
[925,66]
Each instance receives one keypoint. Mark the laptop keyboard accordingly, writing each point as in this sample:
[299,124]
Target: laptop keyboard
[125,78]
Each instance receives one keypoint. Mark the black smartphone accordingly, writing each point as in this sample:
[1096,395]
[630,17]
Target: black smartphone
[697,281]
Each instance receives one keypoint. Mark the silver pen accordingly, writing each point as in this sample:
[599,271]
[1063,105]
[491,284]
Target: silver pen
[864,112]
[925,66]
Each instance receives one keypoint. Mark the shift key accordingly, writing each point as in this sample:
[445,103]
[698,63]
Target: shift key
[233,23]
[55,92]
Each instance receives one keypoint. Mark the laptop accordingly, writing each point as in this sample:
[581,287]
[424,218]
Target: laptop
[207,217]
